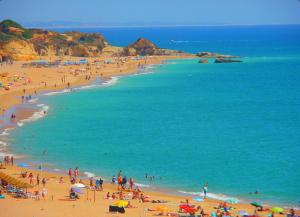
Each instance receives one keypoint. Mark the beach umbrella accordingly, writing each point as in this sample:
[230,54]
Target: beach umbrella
[231,200]
[78,190]
[121,203]
[162,208]
[198,199]
[256,204]
[277,209]
[78,185]
[243,213]
[23,165]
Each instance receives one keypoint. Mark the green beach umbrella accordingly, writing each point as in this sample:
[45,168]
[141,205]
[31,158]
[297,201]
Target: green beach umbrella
[256,204]
[277,209]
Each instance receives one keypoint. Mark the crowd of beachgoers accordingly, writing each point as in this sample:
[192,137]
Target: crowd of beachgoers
[121,194]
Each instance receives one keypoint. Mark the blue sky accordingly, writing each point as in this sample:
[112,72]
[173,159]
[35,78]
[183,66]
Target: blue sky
[154,12]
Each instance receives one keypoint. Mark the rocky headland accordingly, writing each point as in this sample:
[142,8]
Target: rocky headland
[19,43]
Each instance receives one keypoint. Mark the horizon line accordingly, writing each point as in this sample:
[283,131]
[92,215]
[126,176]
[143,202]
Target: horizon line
[154,26]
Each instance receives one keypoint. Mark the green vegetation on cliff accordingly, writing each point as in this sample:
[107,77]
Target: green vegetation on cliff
[14,29]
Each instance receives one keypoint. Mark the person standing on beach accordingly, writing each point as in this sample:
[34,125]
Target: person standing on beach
[12,160]
[124,182]
[101,184]
[70,173]
[131,183]
[76,172]
[91,182]
[38,179]
[44,182]
[120,173]
[119,181]
[30,179]
[113,180]
[205,189]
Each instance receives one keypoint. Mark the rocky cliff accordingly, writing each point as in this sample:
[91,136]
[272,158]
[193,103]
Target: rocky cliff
[18,50]
[19,43]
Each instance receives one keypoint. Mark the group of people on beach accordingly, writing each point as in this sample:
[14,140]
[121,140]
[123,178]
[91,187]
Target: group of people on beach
[122,181]
[8,160]
[96,183]
[73,174]
[13,116]
[38,179]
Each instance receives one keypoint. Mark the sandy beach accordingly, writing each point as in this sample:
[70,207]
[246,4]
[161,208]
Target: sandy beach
[94,203]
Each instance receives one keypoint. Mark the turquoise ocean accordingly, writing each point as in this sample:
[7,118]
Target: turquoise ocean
[235,126]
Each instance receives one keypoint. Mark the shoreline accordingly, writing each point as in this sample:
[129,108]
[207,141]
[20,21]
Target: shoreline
[24,116]
[55,195]
[78,82]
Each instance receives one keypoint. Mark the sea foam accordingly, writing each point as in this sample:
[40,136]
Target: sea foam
[89,174]
[110,82]
[212,196]
[142,185]
[35,116]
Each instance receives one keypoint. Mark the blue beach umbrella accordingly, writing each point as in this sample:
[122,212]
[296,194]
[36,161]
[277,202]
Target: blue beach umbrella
[231,200]
[23,165]
[198,199]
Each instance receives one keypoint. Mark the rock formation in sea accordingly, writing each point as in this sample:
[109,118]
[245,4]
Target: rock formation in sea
[145,47]
[214,55]
[203,61]
[220,60]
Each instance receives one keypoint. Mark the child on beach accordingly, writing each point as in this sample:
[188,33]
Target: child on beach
[108,196]
[37,195]
[44,192]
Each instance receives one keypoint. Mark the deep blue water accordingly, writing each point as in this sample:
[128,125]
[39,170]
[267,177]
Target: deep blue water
[239,40]
[235,126]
